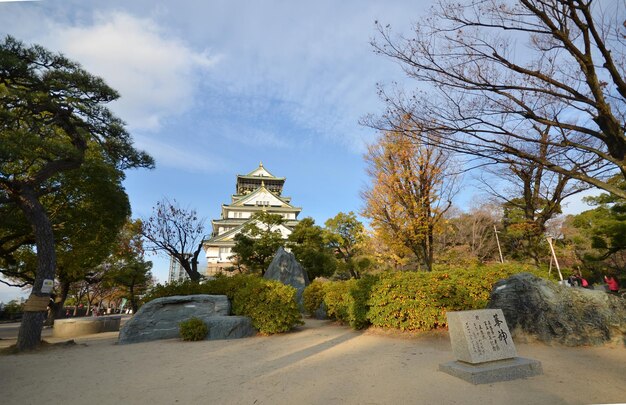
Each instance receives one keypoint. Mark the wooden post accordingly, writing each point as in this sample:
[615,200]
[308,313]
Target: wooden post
[498,242]
[550,267]
[556,262]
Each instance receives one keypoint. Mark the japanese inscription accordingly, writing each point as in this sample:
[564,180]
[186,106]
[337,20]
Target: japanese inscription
[480,336]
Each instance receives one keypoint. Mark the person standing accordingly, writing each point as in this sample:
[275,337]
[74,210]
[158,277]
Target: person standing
[612,283]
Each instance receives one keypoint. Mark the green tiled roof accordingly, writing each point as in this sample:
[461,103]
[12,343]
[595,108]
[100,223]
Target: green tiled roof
[248,177]
[240,201]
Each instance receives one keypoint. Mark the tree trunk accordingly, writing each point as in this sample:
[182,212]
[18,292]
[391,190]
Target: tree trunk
[29,336]
[194,261]
[56,307]
[192,272]
[133,299]
[351,269]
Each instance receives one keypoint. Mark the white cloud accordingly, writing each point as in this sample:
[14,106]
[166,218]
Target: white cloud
[156,74]
[11,293]
[321,67]
[306,65]
[185,158]
[255,137]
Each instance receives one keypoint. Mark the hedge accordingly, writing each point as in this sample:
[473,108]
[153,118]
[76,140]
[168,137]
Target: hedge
[270,304]
[412,300]
[313,296]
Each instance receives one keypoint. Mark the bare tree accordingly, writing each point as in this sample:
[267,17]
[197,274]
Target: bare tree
[531,197]
[471,234]
[177,232]
[562,94]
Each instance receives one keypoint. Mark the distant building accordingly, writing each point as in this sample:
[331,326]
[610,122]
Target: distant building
[177,272]
[256,191]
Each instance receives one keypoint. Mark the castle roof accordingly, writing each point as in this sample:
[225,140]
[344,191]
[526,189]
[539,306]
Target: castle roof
[260,171]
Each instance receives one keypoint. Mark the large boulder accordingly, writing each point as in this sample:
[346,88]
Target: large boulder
[538,308]
[286,269]
[159,319]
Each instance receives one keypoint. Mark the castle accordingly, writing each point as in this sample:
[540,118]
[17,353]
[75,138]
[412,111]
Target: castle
[256,191]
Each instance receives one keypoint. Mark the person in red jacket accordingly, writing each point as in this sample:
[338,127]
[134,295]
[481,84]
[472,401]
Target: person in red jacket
[612,283]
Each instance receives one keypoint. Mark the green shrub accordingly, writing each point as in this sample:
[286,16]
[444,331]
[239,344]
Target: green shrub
[270,304]
[413,300]
[408,301]
[348,301]
[358,303]
[337,299]
[187,287]
[420,301]
[193,329]
[313,296]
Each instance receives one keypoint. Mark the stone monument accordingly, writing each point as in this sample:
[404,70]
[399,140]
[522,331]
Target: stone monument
[286,269]
[485,352]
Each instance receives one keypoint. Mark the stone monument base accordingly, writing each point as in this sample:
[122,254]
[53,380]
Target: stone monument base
[493,371]
[73,327]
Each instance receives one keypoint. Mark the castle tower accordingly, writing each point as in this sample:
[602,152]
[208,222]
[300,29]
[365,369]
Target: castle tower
[256,191]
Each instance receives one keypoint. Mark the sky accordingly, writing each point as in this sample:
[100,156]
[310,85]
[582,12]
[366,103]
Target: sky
[212,88]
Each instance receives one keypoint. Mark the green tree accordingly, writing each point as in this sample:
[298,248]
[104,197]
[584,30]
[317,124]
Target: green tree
[51,114]
[126,267]
[345,235]
[524,233]
[132,277]
[11,310]
[86,214]
[16,236]
[604,232]
[258,241]
[309,247]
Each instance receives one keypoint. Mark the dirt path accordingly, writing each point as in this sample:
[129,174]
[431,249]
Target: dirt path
[320,363]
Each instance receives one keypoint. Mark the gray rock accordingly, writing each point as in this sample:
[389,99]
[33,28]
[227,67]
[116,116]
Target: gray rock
[286,269]
[159,319]
[320,312]
[537,308]
[229,327]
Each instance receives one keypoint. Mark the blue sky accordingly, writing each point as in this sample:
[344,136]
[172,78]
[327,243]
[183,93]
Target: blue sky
[211,88]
